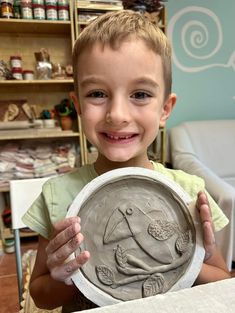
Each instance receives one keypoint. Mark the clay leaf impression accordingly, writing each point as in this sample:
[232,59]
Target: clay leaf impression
[121,256]
[105,274]
[183,242]
[153,285]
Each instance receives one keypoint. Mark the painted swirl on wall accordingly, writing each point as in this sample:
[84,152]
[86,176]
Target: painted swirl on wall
[200,39]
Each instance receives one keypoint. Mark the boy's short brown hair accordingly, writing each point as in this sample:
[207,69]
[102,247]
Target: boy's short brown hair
[115,27]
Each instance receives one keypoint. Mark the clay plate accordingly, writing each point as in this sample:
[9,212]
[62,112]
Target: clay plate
[143,234]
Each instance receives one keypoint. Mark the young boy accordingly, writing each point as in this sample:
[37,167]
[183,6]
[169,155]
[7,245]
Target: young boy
[122,73]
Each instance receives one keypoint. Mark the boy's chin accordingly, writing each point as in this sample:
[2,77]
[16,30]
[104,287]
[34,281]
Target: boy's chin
[118,158]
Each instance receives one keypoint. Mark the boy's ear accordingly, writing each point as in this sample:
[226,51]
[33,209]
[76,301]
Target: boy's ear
[167,108]
[74,98]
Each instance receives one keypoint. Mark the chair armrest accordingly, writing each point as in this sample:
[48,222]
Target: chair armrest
[219,190]
[184,157]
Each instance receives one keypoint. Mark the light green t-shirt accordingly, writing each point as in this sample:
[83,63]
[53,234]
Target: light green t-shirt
[59,192]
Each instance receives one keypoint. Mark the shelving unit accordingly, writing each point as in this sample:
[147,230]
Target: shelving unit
[18,38]
[4,189]
[92,8]
[43,133]
[25,37]
[7,234]
[158,147]
[16,26]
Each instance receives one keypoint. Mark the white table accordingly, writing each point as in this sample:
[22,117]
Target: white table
[218,297]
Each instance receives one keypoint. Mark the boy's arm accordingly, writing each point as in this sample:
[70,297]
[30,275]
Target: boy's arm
[50,284]
[214,267]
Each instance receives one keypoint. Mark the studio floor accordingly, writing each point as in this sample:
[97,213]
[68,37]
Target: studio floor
[9,302]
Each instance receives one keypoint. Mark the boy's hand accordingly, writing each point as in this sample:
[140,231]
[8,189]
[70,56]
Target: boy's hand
[66,239]
[203,207]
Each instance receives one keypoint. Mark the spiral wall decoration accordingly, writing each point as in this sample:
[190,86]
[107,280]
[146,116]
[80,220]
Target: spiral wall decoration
[195,39]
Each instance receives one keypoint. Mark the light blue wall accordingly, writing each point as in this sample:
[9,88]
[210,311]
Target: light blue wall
[203,41]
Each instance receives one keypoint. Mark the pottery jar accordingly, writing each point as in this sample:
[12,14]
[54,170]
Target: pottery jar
[6,9]
[66,122]
[17,73]
[63,13]
[39,12]
[28,75]
[15,61]
[51,12]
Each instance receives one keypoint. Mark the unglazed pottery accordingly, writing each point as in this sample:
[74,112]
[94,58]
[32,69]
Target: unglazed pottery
[143,234]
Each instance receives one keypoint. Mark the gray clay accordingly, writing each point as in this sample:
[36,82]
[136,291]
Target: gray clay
[140,235]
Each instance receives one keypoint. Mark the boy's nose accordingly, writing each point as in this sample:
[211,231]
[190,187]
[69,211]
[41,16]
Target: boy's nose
[118,112]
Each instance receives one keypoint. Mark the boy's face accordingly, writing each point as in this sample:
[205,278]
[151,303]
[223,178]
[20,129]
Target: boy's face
[121,95]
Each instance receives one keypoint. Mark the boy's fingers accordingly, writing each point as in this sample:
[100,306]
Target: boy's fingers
[61,254]
[205,213]
[207,224]
[62,238]
[201,198]
[65,271]
[203,207]
[209,239]
[65,223]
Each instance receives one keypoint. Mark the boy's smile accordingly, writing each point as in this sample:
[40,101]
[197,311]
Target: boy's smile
[120,138]
[121,96]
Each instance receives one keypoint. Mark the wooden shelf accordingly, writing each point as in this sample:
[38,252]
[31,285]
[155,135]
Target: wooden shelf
[36,82]
[7,233]
[35,134]
[98,7]
[4,189]
[34,26]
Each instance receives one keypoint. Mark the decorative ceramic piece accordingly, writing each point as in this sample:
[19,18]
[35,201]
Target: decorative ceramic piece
[66,122]
[143,236]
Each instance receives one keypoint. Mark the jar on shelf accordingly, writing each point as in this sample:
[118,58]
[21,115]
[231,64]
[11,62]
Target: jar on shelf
[64,3]
[6,9]
[51,2]
[51,12]
[16,11]
[26,9]
[16,61]
[17,73]
[63,13]
[39,12]
[41,2]
[28,75]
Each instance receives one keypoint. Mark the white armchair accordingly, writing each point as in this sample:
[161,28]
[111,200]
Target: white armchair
[207,149]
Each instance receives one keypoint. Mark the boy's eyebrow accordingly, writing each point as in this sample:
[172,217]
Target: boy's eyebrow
[146,81]
[90,80]
[138,81]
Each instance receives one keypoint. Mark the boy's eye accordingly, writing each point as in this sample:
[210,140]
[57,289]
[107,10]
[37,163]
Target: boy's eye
[140,95]
[96,94]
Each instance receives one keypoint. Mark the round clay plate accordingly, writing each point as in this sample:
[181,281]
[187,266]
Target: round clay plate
[143,236]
